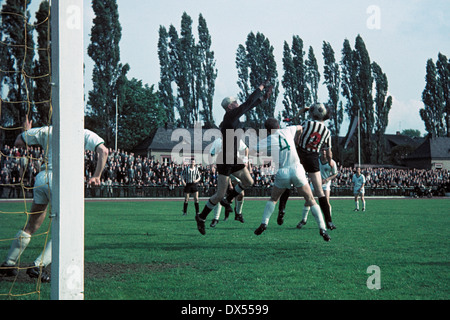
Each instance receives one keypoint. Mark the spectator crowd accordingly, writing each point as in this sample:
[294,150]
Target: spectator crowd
[130,173]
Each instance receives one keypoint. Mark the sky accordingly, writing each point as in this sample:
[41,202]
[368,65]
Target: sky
[400,35]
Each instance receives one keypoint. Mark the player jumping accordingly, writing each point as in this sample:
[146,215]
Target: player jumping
[228,160]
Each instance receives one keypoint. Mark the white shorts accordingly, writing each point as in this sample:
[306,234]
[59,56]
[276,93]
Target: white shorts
[290,176]
[325,187]
[43,187]
[357,193]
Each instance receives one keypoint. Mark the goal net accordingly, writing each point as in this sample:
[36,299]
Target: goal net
[47,88]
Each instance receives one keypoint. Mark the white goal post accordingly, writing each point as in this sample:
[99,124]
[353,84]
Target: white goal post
[67,203]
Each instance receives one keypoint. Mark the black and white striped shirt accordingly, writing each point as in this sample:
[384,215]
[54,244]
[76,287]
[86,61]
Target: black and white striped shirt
[190,174]
[315,135]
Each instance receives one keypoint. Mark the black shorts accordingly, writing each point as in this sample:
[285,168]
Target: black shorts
[309,160]
[227,169]
[190,188]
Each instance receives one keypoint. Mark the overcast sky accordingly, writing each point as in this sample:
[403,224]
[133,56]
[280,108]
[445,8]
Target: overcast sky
[400,35]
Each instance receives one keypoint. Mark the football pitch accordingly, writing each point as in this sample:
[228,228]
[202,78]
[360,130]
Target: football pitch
[146,250]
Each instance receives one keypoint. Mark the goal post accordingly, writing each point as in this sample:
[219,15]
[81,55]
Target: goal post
[67,204]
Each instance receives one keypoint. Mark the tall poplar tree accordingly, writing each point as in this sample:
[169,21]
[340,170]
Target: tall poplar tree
[188,66]
[42,92]
[17,59]
[296,91]
[443,77]
[206,79]
[356,87]
[166,96]
[332,80]
[432,97]
[258,65]
[191,66]
[365,82]
[383,104]
[312,75]
[104,50]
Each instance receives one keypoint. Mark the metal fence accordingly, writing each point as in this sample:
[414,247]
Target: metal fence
[17,192]
[255,191]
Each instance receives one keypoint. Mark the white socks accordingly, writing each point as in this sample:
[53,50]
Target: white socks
[239,204]
[305,213]
[217,211]
[19,244]
[317,214]
[45,258]
[357,204]
[268,210]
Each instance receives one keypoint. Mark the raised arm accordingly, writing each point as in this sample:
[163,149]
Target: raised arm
[27,125]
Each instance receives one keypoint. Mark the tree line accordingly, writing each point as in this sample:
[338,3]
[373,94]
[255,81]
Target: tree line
[356,85]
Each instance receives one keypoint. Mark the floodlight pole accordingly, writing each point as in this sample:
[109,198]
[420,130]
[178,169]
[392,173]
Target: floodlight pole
[359,139]
[117,120]
[67,205]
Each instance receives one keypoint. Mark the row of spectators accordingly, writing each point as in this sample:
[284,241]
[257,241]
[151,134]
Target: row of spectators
[130,170]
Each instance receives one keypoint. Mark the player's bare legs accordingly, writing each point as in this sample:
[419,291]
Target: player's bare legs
[185,204]
[246,181]
[222,186]
[23,238]
[245,177]
[316,180]
[270,207]
[310,202]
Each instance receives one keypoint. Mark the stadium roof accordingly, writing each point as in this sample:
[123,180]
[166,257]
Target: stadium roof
[432,148]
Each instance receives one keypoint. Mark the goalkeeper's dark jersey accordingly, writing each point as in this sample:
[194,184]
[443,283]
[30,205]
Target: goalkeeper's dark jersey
[231,123]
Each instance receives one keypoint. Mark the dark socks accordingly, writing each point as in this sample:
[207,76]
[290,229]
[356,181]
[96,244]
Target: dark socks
[237,190]
[324,206]
[197,209]
[283,200]
[206,210]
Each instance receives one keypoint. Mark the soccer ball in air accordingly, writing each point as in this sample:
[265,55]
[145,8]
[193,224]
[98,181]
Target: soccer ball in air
[318,111]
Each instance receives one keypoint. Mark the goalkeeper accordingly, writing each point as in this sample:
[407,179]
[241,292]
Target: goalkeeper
[232,164]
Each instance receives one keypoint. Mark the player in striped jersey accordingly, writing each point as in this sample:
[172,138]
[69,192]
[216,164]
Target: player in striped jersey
[189,179]
[315,135]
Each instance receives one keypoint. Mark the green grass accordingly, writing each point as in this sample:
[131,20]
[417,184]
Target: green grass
[138,250]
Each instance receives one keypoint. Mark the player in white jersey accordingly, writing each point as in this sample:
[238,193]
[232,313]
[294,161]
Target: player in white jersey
[42,196]
[328,171]
[243,151]
[358,181]
[290,172]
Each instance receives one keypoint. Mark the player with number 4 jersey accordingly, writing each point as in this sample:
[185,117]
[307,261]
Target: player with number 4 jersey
[281,146]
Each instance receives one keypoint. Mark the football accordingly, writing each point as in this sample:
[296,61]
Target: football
[318,111]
